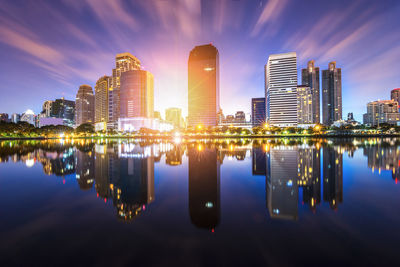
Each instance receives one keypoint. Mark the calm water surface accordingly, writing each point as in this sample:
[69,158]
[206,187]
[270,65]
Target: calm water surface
[280,202]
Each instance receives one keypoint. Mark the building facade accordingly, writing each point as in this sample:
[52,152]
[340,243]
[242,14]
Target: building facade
[281,89]
[331,94]
[15,117]
[84,105]
[174,116]
[29,117]
[102,89]
[310,78]
[123,62]
[47,107]
[382,111]
[305,114]
[258,111]
[64,109]
[395,95]
[203,86]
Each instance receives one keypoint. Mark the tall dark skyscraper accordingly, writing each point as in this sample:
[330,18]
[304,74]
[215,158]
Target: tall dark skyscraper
[333,176]
[84,105]
[203,86]
[204,197]
[310,78]
[258,111]
[331,94]
[64,109]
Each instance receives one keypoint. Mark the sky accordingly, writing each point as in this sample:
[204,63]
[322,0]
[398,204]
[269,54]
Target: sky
[49,48]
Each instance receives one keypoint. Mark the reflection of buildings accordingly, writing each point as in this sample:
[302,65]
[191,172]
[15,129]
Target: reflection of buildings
[259,163]
[282,192]
[386,158]
[58,163]
[204,198]
[85,169]
[309,176]
[174,156]
[333,176]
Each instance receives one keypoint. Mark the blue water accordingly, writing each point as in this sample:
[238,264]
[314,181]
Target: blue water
[216,202]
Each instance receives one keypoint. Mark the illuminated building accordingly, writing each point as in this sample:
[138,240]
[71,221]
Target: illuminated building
[136,100]
[102,89]
[281,89]
[204,190]
[333,176]
[157,115]
[203,86]
[310,78]
[282,186]
[174,116]
[395,95]
[84,105]
[331,94]
[258,111]
[123,62]
[29,117]
[64,109]
[304,105]
[47,107]
[240,117]
[382,111]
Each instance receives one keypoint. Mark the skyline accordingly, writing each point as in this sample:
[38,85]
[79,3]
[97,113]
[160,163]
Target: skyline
[57,60]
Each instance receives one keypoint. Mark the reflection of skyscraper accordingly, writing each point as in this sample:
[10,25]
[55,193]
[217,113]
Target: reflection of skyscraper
[333,176]
[309,175]
[204,198]
[259,163]
[174,156]
[203,86]
[102,170]
[132,182]
[282,190]
[382,157]
[85,169]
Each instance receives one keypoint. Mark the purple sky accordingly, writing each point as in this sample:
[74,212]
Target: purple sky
[49,48]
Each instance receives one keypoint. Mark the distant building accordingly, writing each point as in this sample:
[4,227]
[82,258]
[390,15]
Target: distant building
[15,117]
[136,99]
[46,121]
[258,111]
[281,89]
[102,89]
[305,114]
[240,117]
[310,78]
[29,117]
[331,94]
[64,109]
[381,111]
[174,116]
[47,107]
[203,86]
[123,62]
[395,95]
[84,105]
[4,117]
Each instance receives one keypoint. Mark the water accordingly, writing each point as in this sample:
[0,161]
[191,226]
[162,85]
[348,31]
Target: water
[219,202]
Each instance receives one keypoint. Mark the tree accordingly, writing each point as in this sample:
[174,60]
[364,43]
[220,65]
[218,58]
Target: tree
[85,128]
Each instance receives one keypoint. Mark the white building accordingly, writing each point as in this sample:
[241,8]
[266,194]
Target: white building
[281,89]
[29,117]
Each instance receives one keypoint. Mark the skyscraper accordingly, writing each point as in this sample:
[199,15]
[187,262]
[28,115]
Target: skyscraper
[123,62]
[47,107]
[281,89]
[137,94]
[310,78]
[203,86]
[64,109]
[395,95]
[304,105]
[102,88]
[258,111]
[174,116]
[84,105]
[331,94]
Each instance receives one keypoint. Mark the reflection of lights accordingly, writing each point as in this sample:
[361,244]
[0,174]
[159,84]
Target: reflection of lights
[199,147]
[29,163]
[209,205]
[289,183]
[276,211]
[177,140]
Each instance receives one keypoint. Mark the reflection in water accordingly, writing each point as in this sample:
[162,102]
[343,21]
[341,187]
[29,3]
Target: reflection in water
[123,172]
[204,176]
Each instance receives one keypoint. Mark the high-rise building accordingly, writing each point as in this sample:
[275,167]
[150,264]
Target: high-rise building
[137,94]
[102,89]
[382,111]
[395,95]
[174,116]
[240,117]
[304,105]
[29,117]
[203,86]
[331,94]
[15,117]
[4,117]
[310,78]
[123,62]
[64,109]
[84,105]
[281,89]
[258,111]
[157,115]
[47,107]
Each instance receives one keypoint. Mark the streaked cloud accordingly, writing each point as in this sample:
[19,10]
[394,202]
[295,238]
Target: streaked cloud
[270,13]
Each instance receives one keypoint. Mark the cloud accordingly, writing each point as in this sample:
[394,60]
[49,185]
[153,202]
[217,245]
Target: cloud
[270,14]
